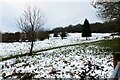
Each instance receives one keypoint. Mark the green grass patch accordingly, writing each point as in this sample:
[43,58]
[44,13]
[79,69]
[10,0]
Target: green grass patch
[114,44]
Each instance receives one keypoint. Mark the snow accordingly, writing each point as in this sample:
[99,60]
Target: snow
[9,49]
[66,62]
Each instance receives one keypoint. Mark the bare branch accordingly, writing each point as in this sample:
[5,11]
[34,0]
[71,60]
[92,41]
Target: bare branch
[31,23]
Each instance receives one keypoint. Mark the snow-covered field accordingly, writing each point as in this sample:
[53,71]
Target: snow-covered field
[7,49]
[78,61]
[69,62]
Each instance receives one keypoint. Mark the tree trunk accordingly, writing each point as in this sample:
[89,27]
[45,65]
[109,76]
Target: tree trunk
[31,49]
[32,40]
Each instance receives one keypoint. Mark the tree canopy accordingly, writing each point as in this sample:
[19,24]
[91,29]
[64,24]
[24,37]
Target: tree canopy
[108,10]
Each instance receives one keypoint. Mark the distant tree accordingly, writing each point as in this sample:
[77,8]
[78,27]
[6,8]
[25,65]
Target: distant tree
[63,34]
[0,36]
[46,34]
[8,37]
[31,23]
[55,35]
[4,37]
[108,10]
[68,29]
[43,35]
[86,30]
[22,37]
[17,36]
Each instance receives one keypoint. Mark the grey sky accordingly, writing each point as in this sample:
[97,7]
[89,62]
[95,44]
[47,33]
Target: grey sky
[57,12]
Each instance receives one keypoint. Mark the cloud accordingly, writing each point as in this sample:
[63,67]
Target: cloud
[63,14]
[58,13]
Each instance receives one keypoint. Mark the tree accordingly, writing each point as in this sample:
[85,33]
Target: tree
[63,34]
[55,35]
[86,31]
[17,36]
[30,23]
[43,35]
[108,10]
[22,37]
[0,36]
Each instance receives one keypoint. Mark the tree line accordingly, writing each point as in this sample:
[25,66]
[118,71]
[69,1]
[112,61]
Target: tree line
[21,36]
[106,27]
[108,11]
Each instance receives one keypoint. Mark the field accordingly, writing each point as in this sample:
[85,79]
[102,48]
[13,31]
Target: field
[77,61]
[9,49]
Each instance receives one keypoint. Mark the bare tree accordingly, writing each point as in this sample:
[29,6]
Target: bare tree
[30,23]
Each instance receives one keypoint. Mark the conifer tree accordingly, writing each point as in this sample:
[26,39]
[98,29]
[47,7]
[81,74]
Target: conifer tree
[86,30]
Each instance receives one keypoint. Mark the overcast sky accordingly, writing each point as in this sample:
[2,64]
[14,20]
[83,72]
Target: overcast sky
[59,13]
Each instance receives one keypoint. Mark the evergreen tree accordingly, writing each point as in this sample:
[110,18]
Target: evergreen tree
[86,30]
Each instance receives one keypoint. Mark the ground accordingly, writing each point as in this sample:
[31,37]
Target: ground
[76,61]
[9,49]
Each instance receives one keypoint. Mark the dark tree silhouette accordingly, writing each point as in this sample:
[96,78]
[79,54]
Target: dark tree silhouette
[8,37]
[108,10]
[63,34]
[17,36]
[55,35]
[86,30]
[31,23]
[0,36]
[43,35]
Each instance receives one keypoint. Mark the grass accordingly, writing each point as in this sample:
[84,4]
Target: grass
[114,44]
[35,52]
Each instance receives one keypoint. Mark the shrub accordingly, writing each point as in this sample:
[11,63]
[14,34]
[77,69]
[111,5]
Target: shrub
[55,35]
[43,35]
[63,34]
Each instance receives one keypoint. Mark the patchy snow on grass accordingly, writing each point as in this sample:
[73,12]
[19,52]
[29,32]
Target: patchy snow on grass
[8,49]
[71,62]
[80,61]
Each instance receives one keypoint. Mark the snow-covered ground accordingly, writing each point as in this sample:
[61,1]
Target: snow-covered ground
[71,62]
[77,61]
[8,49]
